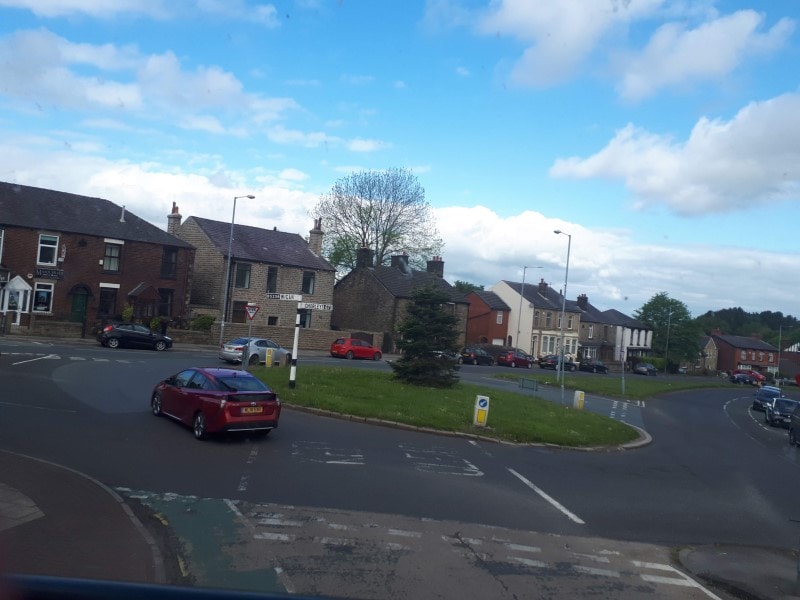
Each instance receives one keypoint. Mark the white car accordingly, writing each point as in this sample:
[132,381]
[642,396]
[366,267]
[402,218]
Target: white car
[256,351]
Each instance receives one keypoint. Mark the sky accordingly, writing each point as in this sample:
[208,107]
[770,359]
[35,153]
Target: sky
[662,136]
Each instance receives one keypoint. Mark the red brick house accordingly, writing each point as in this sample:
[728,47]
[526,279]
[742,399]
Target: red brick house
[65,257]
[487,320]
[738,352]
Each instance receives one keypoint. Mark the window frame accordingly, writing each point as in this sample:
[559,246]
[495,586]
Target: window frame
[308,283]
[109,257]
[246,270]
[272,280]
[49,289]
[169,262]
[42,246]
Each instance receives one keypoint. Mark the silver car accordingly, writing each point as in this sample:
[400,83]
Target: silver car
[256,349]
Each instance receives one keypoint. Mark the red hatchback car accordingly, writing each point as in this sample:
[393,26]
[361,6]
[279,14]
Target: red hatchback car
[353,348]
[211,400]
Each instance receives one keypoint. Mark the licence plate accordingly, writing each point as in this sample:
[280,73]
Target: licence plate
[252,410]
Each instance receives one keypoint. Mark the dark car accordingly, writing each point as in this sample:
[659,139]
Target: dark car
[514,359]
[551,361]
[645,369]
[351,348]
[765,395]
[473,355]
[742,379]
[132,335]
[779,412]
[446,355]
[594,366]
[211,400]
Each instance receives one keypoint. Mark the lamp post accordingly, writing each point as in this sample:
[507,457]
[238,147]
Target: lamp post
[666,350]
[226,282]
[780,340]
[563,311]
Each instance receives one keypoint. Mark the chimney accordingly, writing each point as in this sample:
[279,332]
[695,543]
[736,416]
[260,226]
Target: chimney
[436,266]
[543,287]
[174,220]
[122,215]
[583,302]
[315,237]
[364,258]
[400,262]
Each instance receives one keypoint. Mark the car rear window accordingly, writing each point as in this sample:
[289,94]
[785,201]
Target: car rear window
[242,384]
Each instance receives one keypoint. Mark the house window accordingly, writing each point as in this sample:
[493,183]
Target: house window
[239,312]
[499,317]
[169,262]
[272,280]
[165,302]
[43,298]
[242,275]
[569,321]
[111,257]
[770,357]
[308,282]
[743,354]
[108,301]
[605,332]
[272,320]
[591,331]
[548,321]
[536,318]
[48,245]
[305,318]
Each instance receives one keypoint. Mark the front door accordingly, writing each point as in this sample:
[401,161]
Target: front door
[79,302]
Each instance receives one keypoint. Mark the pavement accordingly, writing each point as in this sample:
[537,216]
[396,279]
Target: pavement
[92,533]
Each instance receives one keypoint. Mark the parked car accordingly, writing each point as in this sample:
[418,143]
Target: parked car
[132,335]
[794,427]
[594,366]
[446,355]
[514,359]
[765,395]
[644,368]
[551,361]
[742,379]
[256,351]
[474,355]
[779,411]
[211,400]
[755,375]
[354,348]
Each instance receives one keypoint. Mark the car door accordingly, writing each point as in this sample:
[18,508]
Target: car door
[140,337]
[173,395]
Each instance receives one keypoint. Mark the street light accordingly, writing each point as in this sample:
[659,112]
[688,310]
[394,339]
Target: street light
[780,339]
[521,296]
[563,310]
[226,282]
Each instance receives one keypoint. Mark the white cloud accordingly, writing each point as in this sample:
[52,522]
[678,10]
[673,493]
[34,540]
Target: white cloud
[675,55]
[282,135]
[723,165]
[102,9]
[361,145]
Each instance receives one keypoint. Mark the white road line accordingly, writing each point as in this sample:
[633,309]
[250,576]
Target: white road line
[283,577]
[522,548]
[528,562]
[403,533]
[280,522]
[275,537]
[682,579]
[46,357]
[64,410]
[595,571]
[570,515]
[600,559]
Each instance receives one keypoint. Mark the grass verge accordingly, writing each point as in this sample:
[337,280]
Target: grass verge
[512,417]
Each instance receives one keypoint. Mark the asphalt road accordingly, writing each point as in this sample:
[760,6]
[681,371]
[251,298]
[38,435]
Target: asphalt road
[713,474]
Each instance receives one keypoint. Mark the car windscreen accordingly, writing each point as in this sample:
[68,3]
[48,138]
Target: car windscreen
[784,405]
[242,384]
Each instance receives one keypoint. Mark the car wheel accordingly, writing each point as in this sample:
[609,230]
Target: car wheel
[572,368]
[377,356]
[113,343]
[349,355]
[253,360]
[461,360]
[792,437]
[161,345]
[155,404]
[513,365]
[199,426]
[594,369]
[530,365]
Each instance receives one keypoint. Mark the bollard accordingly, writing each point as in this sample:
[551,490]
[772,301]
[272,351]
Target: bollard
[577,400]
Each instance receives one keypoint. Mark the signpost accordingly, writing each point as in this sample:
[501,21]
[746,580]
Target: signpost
[301,306]
[481,415]
[252,311]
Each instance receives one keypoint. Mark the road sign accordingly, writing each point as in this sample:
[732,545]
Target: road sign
[274,296]
[481,414]
[315,306]
[251,309]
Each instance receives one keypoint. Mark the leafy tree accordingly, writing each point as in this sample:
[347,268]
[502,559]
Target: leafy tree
[675,335]
[385,211]
[465,287]
[426,328]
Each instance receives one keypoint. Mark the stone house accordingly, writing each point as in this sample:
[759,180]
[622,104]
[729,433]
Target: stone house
[611,336]
[268,267]
[71,258]
[372,299]
[487,322]
[536,311]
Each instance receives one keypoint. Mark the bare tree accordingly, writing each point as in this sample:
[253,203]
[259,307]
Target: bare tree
[385,211]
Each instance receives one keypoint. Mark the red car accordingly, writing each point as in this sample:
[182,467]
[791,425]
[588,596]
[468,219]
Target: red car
[759,377]
[211,400]
[352,348]
[515,358]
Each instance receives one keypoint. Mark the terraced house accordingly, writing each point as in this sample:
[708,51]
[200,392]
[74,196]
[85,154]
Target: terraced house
[71,258]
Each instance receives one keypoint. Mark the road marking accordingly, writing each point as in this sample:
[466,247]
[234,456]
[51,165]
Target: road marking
[522,547]
[528,562]
[682,580]
[283,577]
[46,357]
[595,571]
[251,458]
[570,515]
[600,559]
[439,461]
[402,533]
[275,537]
[64,410]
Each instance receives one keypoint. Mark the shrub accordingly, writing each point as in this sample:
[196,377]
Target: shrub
[202,323]
[127,313]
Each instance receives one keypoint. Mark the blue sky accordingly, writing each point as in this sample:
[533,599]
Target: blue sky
[663,135]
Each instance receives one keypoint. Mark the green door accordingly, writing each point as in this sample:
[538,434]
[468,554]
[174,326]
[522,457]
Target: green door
[79,302]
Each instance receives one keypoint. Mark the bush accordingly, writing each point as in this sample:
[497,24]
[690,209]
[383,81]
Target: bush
[127,313]
[202,323]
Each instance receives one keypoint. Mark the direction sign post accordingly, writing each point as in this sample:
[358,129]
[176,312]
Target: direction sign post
[252,311]
[301,306]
